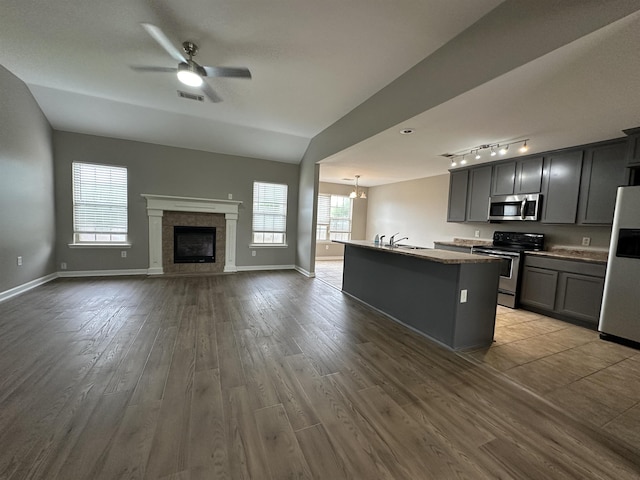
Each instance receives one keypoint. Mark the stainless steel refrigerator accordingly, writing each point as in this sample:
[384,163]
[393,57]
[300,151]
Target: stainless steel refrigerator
[620,313]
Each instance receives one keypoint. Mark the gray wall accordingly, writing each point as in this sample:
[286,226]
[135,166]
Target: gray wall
[418,209]
[358,218]
[501,41]
[27,221]
[165,170]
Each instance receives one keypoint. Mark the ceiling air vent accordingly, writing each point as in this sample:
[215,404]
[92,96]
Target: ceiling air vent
[191,96]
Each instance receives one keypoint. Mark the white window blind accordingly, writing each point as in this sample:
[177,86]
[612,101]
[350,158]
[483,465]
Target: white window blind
[334,217]
[269,213]
[99,203]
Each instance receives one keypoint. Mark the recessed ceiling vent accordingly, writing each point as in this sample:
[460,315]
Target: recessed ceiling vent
[191,96]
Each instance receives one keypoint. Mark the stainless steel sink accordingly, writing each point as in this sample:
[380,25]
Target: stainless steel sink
[412,247]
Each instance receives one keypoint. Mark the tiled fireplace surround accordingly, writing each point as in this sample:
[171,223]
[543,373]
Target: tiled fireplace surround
[165,212]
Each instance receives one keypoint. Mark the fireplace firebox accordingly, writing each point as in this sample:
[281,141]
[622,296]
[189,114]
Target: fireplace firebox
[194,244]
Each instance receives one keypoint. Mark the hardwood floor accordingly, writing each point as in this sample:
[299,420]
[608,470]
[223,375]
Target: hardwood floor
[264,376]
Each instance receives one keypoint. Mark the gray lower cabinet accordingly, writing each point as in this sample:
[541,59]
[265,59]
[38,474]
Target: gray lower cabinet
[478,194]
[539,287]
[566,289]
[561,187]
[579,296]
[457,210]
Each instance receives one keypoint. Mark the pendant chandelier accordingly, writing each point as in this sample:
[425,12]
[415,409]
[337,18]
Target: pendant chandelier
[356,193]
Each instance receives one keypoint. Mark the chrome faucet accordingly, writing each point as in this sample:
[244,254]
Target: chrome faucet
[391,240]
[381,242]
[398,241]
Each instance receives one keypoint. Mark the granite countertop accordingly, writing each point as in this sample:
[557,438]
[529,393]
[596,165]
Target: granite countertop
[575,254]
[588,255]
[430,254]
[466,242]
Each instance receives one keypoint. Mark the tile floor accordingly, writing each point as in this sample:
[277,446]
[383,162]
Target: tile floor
[330,271]
[596,381]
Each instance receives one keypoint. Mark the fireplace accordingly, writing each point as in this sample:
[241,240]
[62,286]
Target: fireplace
[165,212]
[194,244]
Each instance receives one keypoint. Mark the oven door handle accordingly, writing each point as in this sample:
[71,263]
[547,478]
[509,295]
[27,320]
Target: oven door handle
[493,253]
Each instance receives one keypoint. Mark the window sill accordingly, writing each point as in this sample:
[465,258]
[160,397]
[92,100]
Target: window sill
[268,245]
[99,245]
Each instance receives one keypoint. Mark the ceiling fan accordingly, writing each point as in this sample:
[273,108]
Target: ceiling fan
[188,70]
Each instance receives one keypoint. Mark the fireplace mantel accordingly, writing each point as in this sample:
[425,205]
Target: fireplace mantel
[156,206]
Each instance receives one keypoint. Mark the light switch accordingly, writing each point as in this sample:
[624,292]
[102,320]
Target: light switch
[463,296]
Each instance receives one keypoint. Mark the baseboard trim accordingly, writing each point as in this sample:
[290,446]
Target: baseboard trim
[304,272]
[103,273]
[256,268]
[12,292]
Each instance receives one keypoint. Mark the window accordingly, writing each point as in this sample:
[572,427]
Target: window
[334,217]
[99,203]
[269,213]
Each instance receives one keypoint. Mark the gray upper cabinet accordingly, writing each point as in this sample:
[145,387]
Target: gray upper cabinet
[633,152]
[504,175]
[478,194]
[561,186]
[528,176]
[603,171]
[522,176]
[458,182]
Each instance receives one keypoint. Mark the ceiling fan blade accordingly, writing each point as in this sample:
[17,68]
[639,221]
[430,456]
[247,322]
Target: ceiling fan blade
[234,72]
[141,68]
[159,36]
[210,92]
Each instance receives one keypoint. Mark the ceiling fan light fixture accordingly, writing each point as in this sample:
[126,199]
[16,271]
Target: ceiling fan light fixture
[189,75]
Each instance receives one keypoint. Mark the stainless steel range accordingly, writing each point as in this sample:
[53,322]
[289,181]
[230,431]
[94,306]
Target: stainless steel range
[509,247]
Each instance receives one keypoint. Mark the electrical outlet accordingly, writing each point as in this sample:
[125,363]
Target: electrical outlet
[253,253]
[230,196]
[326,247]
[476,234]
[20,261]
[463,296]
[123,254]
[586,241]
[63,266]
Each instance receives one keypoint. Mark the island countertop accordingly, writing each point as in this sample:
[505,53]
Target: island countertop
[433,255]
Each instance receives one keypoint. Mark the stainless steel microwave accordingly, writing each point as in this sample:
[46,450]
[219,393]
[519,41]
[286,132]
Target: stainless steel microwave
[515,207]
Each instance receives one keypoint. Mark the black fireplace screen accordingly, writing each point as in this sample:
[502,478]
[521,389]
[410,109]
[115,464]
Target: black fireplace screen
[194,244]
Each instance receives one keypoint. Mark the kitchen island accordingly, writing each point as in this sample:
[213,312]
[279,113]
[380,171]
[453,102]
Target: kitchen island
[448,296]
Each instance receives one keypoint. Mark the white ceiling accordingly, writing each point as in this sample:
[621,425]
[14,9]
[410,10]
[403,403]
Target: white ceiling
[312,62]
[584,92]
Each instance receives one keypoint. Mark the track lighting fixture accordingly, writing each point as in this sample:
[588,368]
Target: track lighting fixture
[493,148]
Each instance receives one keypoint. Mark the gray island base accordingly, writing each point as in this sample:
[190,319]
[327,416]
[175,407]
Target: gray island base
[424,290]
